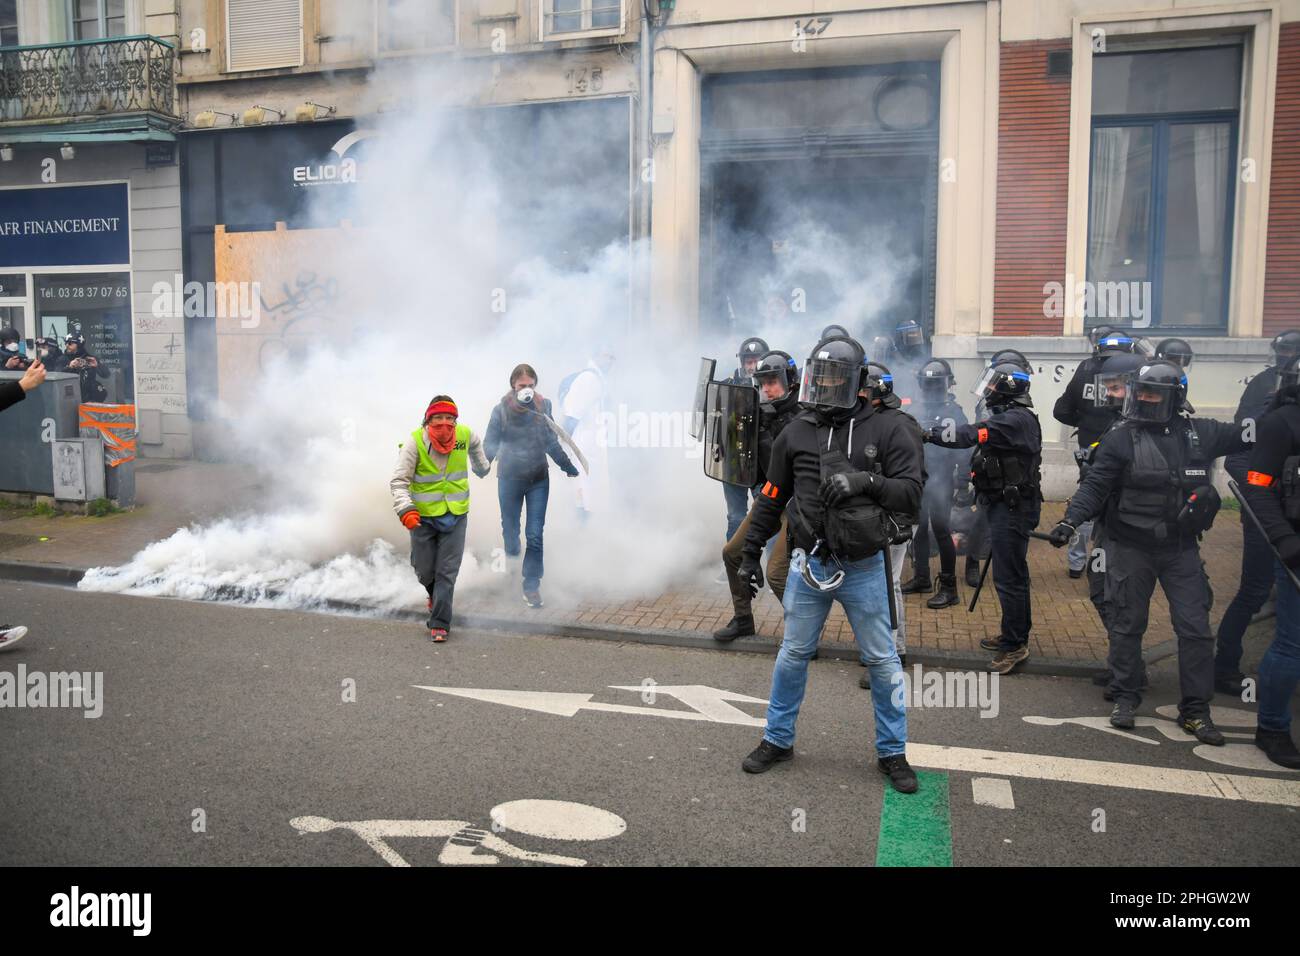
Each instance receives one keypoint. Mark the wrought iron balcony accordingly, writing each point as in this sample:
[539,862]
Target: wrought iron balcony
[86,79]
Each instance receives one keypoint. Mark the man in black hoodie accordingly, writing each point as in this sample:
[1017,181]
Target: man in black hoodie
[843,467]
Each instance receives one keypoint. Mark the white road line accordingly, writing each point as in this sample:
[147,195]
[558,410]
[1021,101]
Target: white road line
[1103,773]
[992,792]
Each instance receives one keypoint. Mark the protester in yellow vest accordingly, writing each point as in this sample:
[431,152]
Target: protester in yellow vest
[430,489]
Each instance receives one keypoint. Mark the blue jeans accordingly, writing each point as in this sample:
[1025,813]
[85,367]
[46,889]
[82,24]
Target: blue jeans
[1279,671]
[1256,583]
[865,602]
[512,494]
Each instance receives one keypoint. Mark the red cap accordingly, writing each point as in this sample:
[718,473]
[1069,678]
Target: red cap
[444,407]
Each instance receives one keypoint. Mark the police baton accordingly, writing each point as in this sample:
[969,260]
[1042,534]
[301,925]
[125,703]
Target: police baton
[985,570]
[1259,526]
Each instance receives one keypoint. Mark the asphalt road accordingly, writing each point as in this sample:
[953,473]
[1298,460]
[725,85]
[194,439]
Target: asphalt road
[226,738]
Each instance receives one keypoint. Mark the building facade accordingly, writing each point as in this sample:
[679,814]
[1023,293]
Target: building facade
[1007,173]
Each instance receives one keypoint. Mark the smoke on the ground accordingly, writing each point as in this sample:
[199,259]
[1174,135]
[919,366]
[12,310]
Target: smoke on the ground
[444,231]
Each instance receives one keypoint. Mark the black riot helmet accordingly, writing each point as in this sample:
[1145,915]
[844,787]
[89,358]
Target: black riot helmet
[1177,351]
[1111,383]
[1012,355]
[1099,332]
[1156,393]
[833,374]
[909,338]
[832,331]
[1003,384]
[777,364]
[878,381]
[751,350]
[1113,342]
[934,379]
[1285,346]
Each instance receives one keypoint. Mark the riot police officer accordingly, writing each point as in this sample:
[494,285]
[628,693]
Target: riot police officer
[1076,407]
[747,357]
[1177,351]
[844,468]
[777,378]
[1272,491]
[1256,561]
[1110,387]
[936,405]
[1004,468]
[1151,479]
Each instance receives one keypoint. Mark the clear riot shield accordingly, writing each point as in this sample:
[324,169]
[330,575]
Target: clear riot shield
[731,433]
[707,367]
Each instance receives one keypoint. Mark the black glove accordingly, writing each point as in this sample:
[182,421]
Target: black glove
[1288,549]
[934,433]
[836,488]
[571,471]
[750,574]
[1060,535]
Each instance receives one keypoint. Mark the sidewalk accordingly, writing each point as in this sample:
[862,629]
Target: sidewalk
[1067,637]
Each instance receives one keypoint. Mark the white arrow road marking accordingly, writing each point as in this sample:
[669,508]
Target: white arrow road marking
[708,701]
[1101,773]
[992,792]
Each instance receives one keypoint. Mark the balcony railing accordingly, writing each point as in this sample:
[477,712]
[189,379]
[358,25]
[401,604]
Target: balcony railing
[87,78]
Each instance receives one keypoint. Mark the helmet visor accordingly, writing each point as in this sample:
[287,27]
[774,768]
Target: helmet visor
[771,384]
[990,377]
[1150,402]
[1110,388]
[909,336]
[829,383]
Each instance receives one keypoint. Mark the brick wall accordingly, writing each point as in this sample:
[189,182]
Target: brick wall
[1033,187]
[1282,270]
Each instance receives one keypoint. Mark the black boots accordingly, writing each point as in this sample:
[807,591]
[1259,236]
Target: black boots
[1278,747]
[736,627]
[919,583]
[972,573]
[947,594]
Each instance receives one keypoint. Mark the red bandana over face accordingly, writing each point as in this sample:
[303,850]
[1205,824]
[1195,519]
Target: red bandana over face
[442,436]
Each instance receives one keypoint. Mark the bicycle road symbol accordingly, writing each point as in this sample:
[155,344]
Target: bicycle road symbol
[469,845]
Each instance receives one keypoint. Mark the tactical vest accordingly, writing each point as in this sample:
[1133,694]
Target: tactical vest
[1005,475]
[434,491]
[1154,491]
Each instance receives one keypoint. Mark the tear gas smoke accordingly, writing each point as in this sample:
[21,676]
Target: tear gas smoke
[469,254]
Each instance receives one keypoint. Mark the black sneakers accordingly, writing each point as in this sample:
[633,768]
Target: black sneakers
[764,755]
[1278,747]
[736,627]
[899,773]
[1202,728]
[991,643]
[1123,715]
[533,599]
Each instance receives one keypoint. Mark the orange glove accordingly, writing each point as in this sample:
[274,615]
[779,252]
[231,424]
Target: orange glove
[410,519]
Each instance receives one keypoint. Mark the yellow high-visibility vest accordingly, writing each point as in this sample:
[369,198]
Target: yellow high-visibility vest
[436,492]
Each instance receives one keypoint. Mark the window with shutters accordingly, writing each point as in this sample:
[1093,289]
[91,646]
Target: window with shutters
[263,34]
[563,19]
[408,25]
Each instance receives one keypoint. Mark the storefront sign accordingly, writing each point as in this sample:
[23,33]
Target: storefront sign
[65,226]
